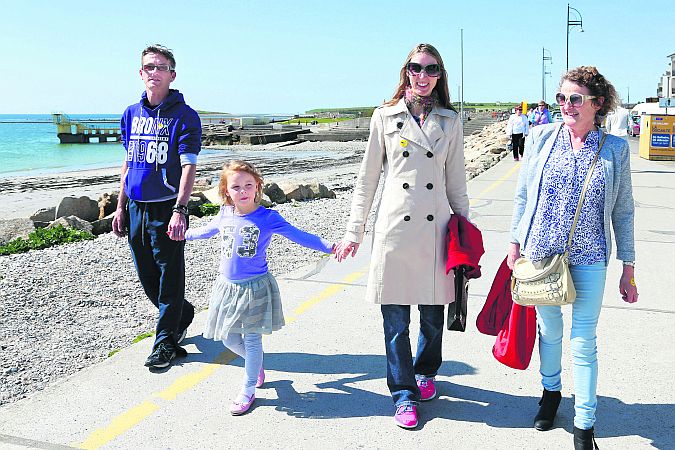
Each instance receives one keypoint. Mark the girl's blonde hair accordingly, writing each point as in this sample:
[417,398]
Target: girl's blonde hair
[239,166]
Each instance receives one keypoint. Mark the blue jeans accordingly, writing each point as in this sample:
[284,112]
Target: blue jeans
[401,372]
[160,264]
[589,282]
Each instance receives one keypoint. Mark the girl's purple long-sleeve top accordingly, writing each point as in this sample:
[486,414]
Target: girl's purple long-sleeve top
[244,239]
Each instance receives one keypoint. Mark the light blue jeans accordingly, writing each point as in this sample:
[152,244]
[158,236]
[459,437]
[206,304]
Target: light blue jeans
[589,282]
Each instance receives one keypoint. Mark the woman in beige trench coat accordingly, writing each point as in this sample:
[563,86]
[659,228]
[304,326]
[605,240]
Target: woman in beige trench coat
[416,139]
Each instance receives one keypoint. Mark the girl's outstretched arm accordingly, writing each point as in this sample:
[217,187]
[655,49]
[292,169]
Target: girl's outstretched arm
[280,226]
[210,229]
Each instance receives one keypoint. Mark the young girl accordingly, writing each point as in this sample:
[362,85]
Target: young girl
[245,301]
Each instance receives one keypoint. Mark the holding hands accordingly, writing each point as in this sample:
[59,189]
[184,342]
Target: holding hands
[344,248]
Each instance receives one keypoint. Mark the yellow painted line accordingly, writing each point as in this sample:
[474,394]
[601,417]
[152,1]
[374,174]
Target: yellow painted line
[191,380]
[494,185]
[119,425]
[135,415]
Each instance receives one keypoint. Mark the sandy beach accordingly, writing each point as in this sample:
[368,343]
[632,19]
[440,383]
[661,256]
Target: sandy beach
[22,196]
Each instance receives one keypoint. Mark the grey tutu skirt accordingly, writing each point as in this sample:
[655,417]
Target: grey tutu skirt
[247,306]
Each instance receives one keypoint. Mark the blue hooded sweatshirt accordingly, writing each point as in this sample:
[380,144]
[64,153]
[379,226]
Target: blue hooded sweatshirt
[159,141]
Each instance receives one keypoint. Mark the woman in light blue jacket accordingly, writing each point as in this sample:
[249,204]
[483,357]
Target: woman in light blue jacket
[557,159]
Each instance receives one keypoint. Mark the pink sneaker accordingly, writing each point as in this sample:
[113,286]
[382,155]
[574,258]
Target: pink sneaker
[261,378]
[406,416]
[242,404]
[427,389]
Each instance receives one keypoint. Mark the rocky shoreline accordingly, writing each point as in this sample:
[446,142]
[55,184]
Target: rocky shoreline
[50,329]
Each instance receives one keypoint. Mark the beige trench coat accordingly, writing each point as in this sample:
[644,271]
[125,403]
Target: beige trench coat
[424,183]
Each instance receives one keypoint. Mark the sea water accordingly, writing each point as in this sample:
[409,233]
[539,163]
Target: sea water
[29,146]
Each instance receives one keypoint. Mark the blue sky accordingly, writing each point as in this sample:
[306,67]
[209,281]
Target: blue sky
[251,56]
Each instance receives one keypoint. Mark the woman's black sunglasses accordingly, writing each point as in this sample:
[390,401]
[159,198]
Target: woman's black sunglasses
[432,70]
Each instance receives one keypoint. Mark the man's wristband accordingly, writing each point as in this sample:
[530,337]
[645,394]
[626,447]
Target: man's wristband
[180,209]
[629,263]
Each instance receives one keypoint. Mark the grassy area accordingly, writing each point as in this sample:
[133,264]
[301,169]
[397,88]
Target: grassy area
[199,111]
[44,238]
[364,111]
[209,209]
[142,336]
[309,120]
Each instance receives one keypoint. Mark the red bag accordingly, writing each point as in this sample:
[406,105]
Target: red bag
[515,341]
[498,303]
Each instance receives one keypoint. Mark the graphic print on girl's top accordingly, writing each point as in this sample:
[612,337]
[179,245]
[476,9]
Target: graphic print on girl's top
[245,238]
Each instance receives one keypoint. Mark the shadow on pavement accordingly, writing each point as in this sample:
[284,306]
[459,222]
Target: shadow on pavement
[341,399]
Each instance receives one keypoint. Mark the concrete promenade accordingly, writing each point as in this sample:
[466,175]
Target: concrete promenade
[326,384]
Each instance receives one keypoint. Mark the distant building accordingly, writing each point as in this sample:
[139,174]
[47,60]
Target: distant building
[666,86]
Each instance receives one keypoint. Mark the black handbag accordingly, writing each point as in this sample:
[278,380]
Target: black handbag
[457,310]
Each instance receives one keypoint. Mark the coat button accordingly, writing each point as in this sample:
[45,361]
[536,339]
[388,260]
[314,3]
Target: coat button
[406,218]
[399,125]
[430,186]
[406,153]
[430,217]
[406,185]
[430,155]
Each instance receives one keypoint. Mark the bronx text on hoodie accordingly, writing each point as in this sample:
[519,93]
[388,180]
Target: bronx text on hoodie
[158,142]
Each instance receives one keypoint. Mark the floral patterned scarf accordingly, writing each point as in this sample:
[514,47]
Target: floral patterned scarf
[426,104]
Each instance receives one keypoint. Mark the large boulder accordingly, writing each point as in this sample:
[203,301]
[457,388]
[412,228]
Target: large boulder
[274,193]
[82,207]
[11,229]
[72,222]
[107,203]
[194,203]
[266,202]
[212,195]
[321,191]
[102,226]
[44,215]
[297,191]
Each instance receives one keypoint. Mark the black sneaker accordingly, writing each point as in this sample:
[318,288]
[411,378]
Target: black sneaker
[163,354]
[180,335]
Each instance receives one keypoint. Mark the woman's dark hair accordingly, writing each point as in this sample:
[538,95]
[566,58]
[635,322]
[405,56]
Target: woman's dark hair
[441,87]
[597,85]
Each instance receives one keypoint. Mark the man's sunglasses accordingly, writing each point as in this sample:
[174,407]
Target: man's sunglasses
[160,67]
[575,99]
[432,70]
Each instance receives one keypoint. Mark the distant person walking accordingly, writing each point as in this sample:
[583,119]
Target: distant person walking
[416,138]
[245,302]
[617,122]
[557,160]
[162,138]
[517,128]
[541,114]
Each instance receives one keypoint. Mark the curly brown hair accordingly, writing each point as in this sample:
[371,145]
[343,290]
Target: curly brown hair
[598,85]
[441,85]
[239,166]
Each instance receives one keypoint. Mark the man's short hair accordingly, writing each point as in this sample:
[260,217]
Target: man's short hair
[161,50]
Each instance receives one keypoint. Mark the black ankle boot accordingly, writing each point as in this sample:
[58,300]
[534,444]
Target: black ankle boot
[548,407]
[584,439]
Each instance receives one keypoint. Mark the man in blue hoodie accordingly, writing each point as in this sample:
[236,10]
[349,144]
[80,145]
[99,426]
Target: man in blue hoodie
[162,138]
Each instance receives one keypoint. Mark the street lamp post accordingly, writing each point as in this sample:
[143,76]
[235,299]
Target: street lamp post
[572,23]
[544,58]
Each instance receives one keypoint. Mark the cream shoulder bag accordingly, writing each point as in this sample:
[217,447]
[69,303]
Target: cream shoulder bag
[549,282]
